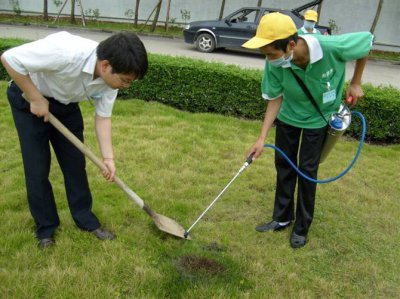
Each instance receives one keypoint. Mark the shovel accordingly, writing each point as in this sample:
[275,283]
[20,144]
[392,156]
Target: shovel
[163,223]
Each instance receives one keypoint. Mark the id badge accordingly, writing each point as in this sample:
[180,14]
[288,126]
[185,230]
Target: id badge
[329,96]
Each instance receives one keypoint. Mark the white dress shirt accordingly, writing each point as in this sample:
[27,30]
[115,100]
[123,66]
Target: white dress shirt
[62,66]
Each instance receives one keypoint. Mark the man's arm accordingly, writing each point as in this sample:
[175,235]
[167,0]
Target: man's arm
[39,105]
[354,92]
[271,113]
[104,138]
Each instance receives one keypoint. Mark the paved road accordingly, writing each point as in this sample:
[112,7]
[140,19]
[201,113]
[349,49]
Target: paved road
[376,72]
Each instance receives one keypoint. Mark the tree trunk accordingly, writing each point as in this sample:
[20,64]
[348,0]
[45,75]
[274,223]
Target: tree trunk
[221,12]
[377,14]
[45,11]
[167,18]
[155,20]
[145,23]
[136,13]
[72,18]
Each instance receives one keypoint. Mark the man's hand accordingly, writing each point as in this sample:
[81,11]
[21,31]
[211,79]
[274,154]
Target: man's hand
[109,175]
[257,148]
[354,93]
[40,107]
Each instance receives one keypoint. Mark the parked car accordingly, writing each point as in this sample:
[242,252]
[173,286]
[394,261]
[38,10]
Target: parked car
[238,27]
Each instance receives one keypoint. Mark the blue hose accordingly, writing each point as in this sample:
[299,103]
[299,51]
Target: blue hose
[364,130]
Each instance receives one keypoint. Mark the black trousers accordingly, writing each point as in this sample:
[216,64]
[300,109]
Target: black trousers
[306,155]
[35,137]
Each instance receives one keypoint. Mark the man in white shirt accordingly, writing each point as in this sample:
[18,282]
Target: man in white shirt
[53,75]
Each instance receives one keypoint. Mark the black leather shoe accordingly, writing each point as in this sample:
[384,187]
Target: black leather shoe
[103,234]
[297,241]
[273,225]
[46,243]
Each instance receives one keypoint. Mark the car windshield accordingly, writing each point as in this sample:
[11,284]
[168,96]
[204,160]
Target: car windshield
[247,15]
[268,11]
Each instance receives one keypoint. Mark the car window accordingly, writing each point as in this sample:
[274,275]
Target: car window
[267,12]
[244,16]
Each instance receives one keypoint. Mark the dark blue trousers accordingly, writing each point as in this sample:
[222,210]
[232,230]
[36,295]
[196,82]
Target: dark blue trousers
[306,154]
[35,137]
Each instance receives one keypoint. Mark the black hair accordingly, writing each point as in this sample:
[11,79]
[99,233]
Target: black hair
[281,44]
[125,52]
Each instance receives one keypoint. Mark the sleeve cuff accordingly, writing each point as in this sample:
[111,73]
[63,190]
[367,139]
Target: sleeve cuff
[268,98]
[15,66]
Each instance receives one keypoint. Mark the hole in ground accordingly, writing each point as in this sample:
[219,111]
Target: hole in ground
[192,263]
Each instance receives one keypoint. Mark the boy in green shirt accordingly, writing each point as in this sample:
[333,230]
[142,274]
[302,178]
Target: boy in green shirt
[310,20]
[319,61]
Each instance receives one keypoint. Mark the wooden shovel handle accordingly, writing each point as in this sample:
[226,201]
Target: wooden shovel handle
[88,153]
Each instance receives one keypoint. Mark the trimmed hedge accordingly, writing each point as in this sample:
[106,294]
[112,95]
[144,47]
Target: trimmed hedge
[381,109]
[198,86]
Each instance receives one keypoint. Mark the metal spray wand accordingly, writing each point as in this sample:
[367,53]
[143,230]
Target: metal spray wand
[245,165]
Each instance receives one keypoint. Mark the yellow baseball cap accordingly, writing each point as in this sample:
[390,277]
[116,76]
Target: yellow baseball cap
[272,27]
[311,15]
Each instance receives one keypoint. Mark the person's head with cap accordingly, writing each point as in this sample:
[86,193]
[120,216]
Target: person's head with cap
[310,19]
[276,37]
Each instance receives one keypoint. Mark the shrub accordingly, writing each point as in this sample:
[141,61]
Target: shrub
[198,86]
[381,108]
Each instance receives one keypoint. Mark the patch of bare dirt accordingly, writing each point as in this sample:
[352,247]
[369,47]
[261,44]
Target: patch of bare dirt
[192,263]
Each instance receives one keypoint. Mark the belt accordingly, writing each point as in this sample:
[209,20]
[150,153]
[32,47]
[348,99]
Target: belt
[11,83]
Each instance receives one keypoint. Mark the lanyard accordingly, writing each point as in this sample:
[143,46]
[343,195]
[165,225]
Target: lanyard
[308,94]
[87,95]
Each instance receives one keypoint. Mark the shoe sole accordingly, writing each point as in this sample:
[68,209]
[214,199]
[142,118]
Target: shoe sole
[280,228]
[298,243]
[46,245]
[296,246]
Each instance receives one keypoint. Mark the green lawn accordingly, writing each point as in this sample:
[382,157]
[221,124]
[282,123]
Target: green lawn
[178,162]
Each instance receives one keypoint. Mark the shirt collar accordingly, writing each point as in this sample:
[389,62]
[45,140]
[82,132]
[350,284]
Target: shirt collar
[89,67]
[90,63]
[304,30]
[314,47]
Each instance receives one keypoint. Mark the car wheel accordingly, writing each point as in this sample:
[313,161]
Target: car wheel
[205,43]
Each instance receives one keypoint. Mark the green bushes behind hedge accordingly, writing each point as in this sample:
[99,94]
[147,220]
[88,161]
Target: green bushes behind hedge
[198,86]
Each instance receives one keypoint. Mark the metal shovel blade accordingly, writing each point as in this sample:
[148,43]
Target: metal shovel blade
[169,226]
[166,224]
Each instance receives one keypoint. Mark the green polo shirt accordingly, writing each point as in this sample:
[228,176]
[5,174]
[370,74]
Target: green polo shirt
[324,76]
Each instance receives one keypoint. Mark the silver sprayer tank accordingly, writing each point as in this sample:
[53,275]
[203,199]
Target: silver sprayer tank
[338,124]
